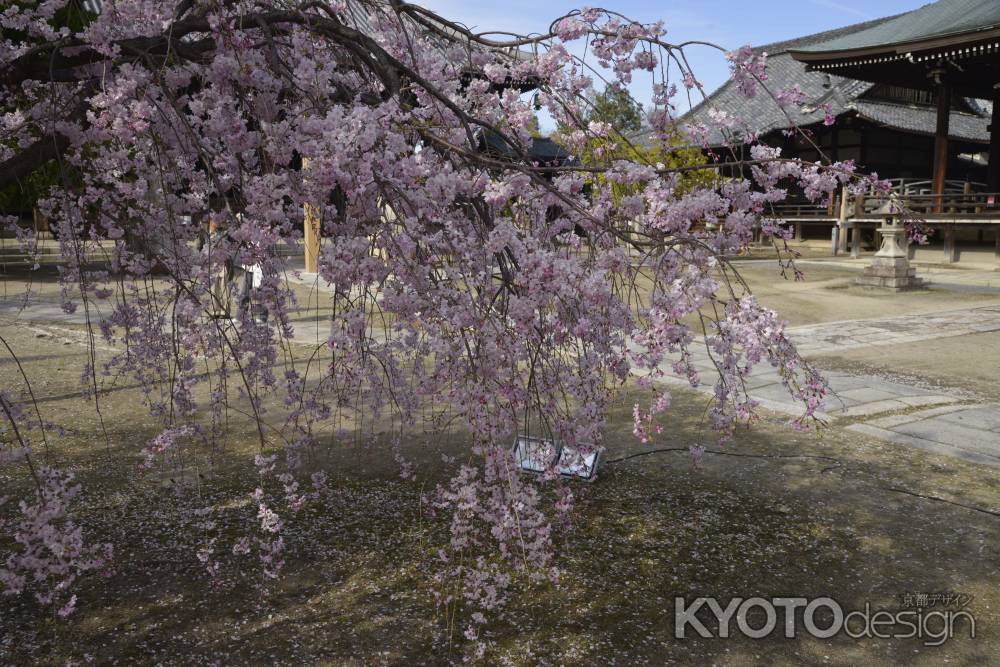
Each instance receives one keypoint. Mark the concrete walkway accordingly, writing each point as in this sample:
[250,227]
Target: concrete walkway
[941,421]
[849,334]
[855,397]
[971,432]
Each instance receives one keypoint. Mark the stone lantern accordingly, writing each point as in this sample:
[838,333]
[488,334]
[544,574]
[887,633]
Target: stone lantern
[890,267]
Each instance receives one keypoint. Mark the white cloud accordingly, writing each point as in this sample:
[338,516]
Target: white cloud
[840,7]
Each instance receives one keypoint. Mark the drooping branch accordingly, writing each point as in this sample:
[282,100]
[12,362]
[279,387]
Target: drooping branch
[48,63]
[487,287]
[18,167]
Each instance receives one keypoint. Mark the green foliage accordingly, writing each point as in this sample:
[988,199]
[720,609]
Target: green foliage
[615,107]
[619,147]
[679,157]
[534,128]
[18,198]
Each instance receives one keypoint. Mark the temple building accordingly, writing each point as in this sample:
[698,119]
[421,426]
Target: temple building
[913,100]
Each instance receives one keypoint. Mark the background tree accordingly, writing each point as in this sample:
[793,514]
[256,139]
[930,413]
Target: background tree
[616,107]
[534,129]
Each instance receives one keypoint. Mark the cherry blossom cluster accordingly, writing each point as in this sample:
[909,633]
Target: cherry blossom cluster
[471,284]
[50,552]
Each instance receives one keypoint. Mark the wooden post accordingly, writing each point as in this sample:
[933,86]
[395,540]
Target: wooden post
[310,233]
[950,255]
[842,222]
[798,231]
[40,221]
[965,205]
[311,238]
[855,240]
[941,143]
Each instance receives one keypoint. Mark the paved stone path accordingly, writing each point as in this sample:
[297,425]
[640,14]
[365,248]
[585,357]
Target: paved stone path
[844,335]
[930,419]
[853,396]
[934,420]
[959,278]
[971,432]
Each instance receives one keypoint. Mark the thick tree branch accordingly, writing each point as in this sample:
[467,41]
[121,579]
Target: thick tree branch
[19,166]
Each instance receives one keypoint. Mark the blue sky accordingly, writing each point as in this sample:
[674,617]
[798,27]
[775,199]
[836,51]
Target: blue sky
[729,23]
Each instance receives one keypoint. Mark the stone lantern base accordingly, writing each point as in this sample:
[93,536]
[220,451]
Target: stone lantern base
[891,273]
[890,267]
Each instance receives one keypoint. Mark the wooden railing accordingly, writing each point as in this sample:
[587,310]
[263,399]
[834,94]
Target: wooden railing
[950,205]
[800,209]
[967,205]
[923,186]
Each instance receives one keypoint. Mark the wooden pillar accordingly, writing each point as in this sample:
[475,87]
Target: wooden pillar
[310,238]
[842,222]
[40,221]
[950,254]
[798,231]
[855,240]
[310,233]
[993,173]
[941,142]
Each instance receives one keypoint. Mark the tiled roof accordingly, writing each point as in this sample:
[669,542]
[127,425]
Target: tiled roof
[967,126]
[938,19]
[801,43]
[542,149]
[761,114]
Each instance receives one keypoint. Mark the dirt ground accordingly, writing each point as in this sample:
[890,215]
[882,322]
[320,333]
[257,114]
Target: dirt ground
[827,295]
[775,513]
[970,362]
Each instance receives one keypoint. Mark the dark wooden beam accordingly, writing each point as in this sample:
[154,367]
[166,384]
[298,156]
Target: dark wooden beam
[941,141]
